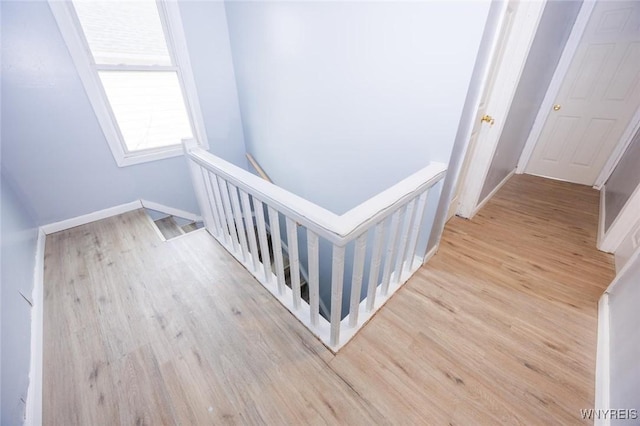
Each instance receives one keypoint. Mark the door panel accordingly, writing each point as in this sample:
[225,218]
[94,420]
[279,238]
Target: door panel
[563,127]
[505,31]
[599,96]
[622,84]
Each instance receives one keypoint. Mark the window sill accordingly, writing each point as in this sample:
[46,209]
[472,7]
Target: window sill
[133,158]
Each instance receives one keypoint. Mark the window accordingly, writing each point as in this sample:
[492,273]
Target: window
[132,59]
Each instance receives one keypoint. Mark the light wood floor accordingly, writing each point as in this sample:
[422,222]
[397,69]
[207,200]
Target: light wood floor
[498,328]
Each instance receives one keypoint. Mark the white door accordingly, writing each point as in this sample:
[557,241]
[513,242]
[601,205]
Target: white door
[483,126]
[512,48]
[597,99]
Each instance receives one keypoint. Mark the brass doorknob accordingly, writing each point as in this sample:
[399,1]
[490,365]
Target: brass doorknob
[557,107]
[488,119]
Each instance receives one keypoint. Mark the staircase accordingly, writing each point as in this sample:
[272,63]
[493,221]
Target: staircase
[304,284]
[170,227]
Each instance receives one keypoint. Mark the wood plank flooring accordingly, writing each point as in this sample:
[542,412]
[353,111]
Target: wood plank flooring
[498,328]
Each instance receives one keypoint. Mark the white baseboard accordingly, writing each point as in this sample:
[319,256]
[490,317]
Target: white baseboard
[602,360]
[116,210]
[91,217]
[432,252]
[491,194]
[34,394]
[170,210]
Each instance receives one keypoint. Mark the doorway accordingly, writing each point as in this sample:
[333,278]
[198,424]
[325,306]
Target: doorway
[597,99]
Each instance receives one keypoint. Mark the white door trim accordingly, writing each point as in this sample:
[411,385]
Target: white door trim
[568,53]
[526,19]
[603,364]
[601,216]
[33,413]
[632,128]
[492,55]
[472,103]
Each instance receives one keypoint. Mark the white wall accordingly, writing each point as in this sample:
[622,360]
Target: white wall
[18,236]
[52,144]
[553,31]
[624,343]
[341,100]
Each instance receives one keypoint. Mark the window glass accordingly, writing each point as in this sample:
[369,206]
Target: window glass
[148,106]
[121,32]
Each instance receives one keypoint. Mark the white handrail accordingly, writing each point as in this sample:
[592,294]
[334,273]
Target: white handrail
[258,168]
[230,197]
[337,229]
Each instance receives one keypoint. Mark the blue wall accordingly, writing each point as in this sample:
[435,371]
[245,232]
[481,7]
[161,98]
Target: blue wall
[205,27]
[53,145]
[54,157]
[624,179]
[341,100]
[18,249]
[624,343]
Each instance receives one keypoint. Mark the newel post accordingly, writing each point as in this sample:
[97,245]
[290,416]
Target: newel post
[198,175]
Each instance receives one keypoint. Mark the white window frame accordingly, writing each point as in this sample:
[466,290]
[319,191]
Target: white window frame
[73,35]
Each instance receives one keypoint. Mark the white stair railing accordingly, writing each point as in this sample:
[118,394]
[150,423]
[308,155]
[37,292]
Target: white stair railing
[383,231]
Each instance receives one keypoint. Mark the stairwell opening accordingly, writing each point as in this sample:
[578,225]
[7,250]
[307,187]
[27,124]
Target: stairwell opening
[169,227]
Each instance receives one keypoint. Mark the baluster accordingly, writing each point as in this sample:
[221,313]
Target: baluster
[195,171]
[237,214]
[294,262]
[337,278]
[248,220]
[404,238]
[376,258]
[199,186]
[416,226]
[208,212]
[390,252]
[356,280]
[274,223]
[224,226]
[215,206]
[262,236]
[224,190]
[314,290]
